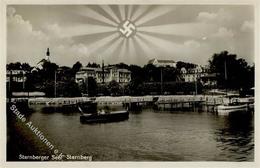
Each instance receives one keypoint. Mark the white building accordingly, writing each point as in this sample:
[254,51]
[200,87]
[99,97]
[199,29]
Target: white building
[40,64]
[162,63]
[109,74]
[17,75]
[194,74]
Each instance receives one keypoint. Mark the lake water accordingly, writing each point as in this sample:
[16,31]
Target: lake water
[146,136]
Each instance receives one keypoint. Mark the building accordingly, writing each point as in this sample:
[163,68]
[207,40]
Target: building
[40,64]
[162,63]
[104,75]
[17,75]
[199,73]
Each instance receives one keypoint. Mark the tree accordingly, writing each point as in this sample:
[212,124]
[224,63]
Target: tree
[93,65]
[186,65]
[114,88]
[153,73]
[48,71]
[26,67]
[76,67]
[91,86]
[232,73]
[14,66]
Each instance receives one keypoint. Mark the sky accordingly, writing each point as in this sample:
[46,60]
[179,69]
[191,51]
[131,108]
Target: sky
[92,33]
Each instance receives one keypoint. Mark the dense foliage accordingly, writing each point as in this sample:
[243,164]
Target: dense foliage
[232,73]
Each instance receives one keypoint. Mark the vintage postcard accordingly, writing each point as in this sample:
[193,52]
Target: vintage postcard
[147,83]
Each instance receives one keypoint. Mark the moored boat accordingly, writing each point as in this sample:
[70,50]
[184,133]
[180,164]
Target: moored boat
[226,109]
[104,117]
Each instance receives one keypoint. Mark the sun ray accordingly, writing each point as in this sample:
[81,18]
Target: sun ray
[122,11]
[149,52]
[134,8]
[130,11]
[85,29]
[157,12]
[98,44]
[113,48]
[109,11]
[115,51]
[88,12]
[102,12]
[91,38]
[140,11]
[170,37]
[198,30]
[122,52]
[137,45]
[105,50]
[162,44]
[132,50]
[126,11]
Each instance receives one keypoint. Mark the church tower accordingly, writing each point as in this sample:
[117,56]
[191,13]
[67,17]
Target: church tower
[48,55]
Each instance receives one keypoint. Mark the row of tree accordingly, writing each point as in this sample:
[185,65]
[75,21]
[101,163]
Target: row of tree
[232,73]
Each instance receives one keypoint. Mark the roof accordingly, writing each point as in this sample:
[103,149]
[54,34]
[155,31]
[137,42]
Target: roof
[42,61]
[160,61]
[124,70]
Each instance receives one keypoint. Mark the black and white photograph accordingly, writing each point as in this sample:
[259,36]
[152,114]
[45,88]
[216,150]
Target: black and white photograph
[130,82]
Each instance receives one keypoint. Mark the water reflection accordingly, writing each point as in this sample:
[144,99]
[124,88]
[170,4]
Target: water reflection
[148,135]
[236,136]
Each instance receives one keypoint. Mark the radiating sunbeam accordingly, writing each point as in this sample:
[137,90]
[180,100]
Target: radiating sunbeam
[122,52]
[107,12]
[170,37]
[198,30]
[110,12]
[91,38]
[149,52]
[153,46]
[88,12]
[162,44]
[94,46]
[122,12]
[126,11]
[157,12]
[140,10]
[138,48]
[85,29]
[134,8]
[104,50]
[115,53]
[114,48]
[130,11]
[132,51]
[144,13]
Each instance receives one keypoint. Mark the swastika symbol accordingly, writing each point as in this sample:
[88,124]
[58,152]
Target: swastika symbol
[127,29]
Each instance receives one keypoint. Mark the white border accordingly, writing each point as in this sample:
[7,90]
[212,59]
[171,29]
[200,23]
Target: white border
[3,162]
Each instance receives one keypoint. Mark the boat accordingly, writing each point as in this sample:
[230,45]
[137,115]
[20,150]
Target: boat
[234,104]
[102,117]
[90,114]
[226,109]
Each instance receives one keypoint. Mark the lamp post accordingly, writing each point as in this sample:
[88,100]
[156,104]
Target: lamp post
[55,82]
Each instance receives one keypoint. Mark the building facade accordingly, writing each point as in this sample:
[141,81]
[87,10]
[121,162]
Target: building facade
[104,75]
[162,63]
[200,74]
[40,64]
[17,75]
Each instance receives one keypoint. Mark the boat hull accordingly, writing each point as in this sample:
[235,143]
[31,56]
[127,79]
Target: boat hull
[226,110]
[102,118]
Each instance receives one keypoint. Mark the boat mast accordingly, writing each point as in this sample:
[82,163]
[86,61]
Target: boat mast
[225,66]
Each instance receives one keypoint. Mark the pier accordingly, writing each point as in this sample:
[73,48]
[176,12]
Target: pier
[160,102]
